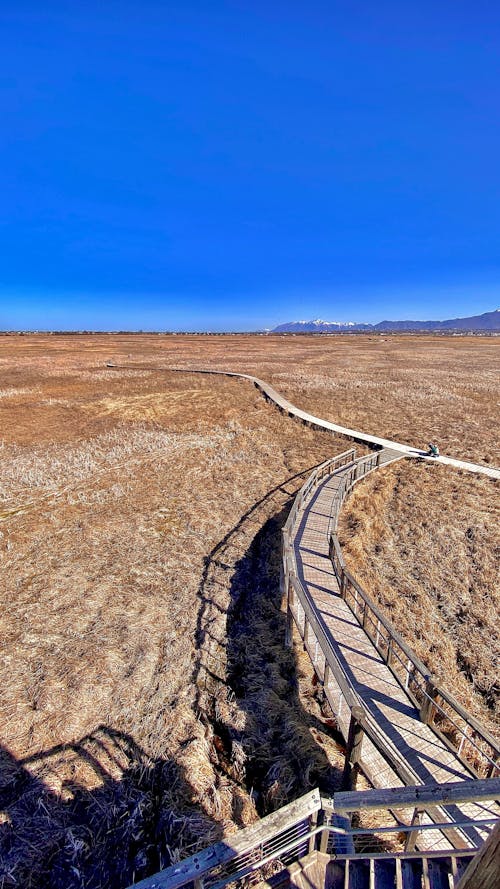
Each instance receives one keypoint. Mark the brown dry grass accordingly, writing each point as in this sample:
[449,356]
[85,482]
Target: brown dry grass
[116,487]
[425,542]
[141,514]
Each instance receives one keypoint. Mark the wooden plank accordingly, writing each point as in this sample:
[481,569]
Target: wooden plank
[484,870]
[319,632]
[404,747]
[312,542]
[353,751]
[477,790]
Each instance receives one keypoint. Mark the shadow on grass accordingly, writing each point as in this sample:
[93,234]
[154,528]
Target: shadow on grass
[56,833]
[247,681]
[72,837]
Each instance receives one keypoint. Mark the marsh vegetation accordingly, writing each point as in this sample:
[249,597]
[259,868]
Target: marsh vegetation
[148,705]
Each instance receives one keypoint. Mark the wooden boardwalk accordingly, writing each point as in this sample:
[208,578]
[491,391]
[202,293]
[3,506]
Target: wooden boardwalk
[286,407]
[373,441]
[420,750]
[399,746]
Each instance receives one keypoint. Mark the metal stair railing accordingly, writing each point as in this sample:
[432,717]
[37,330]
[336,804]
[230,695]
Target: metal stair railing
[305,827]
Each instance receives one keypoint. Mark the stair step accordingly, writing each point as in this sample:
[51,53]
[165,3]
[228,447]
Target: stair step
[441,872]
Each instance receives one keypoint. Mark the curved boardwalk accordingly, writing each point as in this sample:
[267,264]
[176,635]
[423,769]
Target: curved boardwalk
[362,437]
[423,755]
[403,749]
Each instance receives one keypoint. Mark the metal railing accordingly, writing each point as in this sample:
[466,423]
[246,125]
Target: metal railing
[315,824]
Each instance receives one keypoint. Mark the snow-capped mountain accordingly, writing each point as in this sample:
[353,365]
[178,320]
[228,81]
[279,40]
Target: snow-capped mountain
[317,326]
[486,321]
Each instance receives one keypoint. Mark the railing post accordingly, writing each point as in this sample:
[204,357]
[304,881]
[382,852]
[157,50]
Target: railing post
[365,614]
[427,708]
[353,751]
[325,833]
[408,673]
[313,820]
[289,615]
[411,837]
[326,674]
[283,571]
[289,627]
[494,769]
[483,869]
[389,652]
[343,583]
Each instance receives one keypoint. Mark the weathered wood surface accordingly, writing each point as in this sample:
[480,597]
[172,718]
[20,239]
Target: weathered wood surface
[428,794]
[484,870]
[417,753]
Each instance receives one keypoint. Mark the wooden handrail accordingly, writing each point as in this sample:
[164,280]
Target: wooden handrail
[456,792]
[351,698]
[294,829]
[419,665]
[429,705]
[343,575]
[462,712]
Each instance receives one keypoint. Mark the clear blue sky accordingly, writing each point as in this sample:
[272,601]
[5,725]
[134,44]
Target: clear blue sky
[233,165]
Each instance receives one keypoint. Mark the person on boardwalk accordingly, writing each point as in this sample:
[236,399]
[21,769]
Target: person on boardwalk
[433,450]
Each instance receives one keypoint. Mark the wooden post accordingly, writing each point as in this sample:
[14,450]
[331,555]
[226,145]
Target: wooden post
[411,837]
[289,627]
[427,708]
[313,820]
[289,614]
[326,674]
[306,631]
[325,833]
[343,583]
[365,613]
[482,872]
[493,769]
[353,751]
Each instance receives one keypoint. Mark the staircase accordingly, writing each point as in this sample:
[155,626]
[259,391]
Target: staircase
[319,871]
[410,872]
[312,844]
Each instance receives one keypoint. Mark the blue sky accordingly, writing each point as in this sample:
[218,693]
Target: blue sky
[210,165]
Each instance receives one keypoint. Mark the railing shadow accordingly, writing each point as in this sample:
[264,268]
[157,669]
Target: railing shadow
[247,681]
[89,814]
[92,813]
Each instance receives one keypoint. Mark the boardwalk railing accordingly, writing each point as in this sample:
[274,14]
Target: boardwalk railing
[312,483]
[459,730]
[314,824]
[462,733]
[345,702]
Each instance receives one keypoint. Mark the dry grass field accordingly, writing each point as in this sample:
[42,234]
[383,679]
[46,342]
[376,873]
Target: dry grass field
[148,704]
[141,517]
[407,388]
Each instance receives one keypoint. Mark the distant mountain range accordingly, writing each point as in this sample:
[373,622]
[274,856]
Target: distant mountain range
[487,321]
